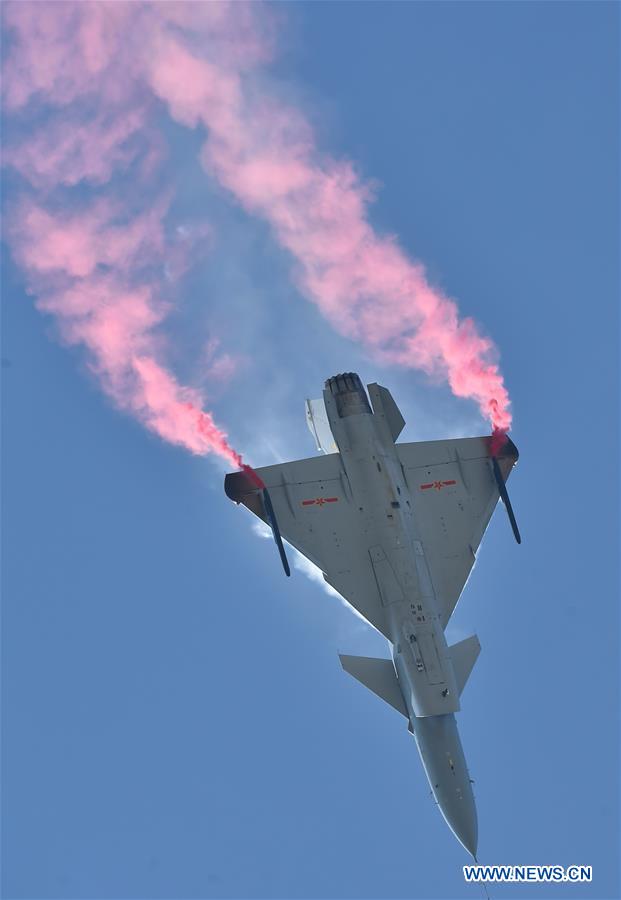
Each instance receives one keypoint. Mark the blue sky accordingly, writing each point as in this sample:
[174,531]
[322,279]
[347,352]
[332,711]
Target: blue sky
[175,719]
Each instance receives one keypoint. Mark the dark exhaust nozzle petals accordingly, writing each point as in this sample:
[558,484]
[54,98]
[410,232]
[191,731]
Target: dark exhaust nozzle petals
[349,394]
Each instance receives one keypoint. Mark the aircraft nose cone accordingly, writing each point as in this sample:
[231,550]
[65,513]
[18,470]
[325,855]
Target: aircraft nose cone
[445,765]
[462,820]
[456,801]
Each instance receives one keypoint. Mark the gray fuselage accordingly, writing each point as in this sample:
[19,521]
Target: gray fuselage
[418,646]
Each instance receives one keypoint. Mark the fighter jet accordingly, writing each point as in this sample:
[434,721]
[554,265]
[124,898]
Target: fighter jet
[394,528]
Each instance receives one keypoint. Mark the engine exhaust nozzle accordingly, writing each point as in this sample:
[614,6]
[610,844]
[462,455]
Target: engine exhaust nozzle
[349,394]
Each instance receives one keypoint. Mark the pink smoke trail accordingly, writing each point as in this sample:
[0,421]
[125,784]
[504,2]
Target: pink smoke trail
[94,262]
[201,61]
[82,266]
[265,154]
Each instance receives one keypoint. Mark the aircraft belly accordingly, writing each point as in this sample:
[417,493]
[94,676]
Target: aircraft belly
[431,660]
[404,588]
[414,627]
[431,690]
[418,641]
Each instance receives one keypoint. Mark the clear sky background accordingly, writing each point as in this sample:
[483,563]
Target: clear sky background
[175,719]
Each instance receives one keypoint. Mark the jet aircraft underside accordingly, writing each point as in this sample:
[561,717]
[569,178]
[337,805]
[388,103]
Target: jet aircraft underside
[395,528]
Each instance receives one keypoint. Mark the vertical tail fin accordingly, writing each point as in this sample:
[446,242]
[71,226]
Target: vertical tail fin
[386,409]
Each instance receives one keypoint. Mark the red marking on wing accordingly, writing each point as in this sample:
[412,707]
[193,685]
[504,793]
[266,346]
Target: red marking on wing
[319,501]
[424,487]
[438,485]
